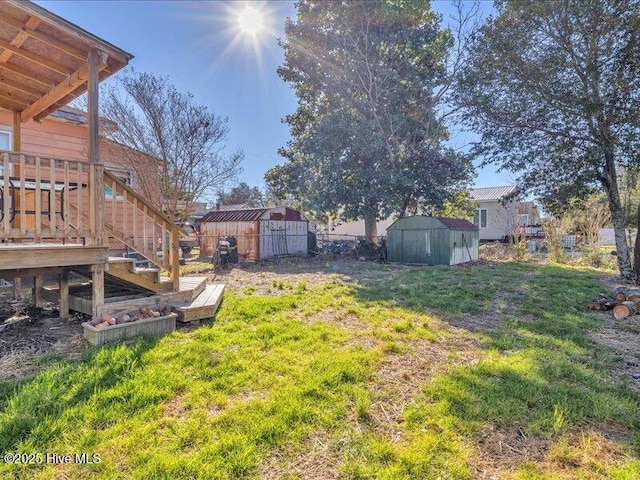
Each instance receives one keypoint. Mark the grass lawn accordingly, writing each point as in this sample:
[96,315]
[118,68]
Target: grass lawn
[380,372]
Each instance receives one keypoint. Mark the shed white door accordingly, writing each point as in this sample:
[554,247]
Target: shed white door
[280,237]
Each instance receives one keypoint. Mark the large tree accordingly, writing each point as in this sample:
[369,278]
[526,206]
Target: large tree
[366,140]
[242,193]
[187,139]
[553,87]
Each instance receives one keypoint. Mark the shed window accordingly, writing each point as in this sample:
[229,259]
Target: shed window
[427,242]
[480,219]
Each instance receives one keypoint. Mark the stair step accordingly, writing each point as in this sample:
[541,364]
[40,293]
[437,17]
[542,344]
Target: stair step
[147,278]
[142,270]
[195,285]
[203,306]
[121,260]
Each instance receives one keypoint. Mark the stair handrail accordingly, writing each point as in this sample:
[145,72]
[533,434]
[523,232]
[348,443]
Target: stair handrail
[169,260]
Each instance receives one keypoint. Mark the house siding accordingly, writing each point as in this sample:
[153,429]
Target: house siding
[500,220]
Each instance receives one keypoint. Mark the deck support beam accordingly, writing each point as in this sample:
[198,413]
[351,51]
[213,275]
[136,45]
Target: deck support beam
[64,294]
[97,281]
[37,291]
[16,146]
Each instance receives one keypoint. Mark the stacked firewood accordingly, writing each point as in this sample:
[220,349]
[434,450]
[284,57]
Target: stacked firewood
[106,319]
[624,302]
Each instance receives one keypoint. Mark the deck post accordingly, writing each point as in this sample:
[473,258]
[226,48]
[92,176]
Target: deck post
[63,281]
[174,259]
[37,291]
[97,279]
[92,103]
[16,146]
[97,178]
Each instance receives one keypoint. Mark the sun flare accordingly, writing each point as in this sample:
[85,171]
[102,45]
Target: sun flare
[251,20]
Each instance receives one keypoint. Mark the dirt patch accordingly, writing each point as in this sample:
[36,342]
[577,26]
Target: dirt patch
[399,380]
[504,301]
[623,337]
[281,277]
[36,331]
[175,408]
[318,458]
[502,451]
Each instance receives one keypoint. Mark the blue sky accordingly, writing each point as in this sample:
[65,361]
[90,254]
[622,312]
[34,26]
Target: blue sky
[199,46]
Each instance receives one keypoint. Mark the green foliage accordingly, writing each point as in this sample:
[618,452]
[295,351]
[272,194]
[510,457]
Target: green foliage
[366,120]
[459,206]
[553,241]
[552,89]
[242,194]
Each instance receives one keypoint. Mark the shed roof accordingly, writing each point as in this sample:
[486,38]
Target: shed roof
[457,223]
[248,215]
[43,59]
[488,194]
[450,223]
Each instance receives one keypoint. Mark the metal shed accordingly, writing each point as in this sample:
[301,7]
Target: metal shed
[261,233]
[432,241]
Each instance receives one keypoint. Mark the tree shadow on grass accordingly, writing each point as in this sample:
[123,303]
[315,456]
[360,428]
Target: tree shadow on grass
[27,406]
[538,373]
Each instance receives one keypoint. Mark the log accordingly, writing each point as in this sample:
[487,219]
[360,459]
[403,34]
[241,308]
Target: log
[620,294]
[603,304]
[624,310]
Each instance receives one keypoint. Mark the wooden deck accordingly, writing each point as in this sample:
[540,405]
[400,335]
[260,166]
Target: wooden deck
[24,258]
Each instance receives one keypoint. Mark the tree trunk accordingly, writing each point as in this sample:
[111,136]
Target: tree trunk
[618,217]
[371,227]
[636,252]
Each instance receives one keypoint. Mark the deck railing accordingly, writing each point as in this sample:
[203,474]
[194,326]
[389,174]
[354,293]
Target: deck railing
[48,200]
[140,226]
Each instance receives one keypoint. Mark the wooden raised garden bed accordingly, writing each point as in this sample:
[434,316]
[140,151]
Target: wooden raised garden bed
[152,327]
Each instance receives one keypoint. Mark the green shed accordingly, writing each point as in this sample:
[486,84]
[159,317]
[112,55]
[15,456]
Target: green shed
[432,241]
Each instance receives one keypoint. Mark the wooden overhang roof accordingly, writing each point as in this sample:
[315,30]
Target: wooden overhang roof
[44,59]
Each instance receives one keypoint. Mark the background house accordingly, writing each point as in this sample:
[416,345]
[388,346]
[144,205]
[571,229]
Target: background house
[341,230]
[499,214]
[261,233]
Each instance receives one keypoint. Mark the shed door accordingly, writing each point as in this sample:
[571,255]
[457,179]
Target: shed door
[416,246]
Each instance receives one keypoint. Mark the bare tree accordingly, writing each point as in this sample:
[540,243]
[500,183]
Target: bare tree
[187,139]
[588,216]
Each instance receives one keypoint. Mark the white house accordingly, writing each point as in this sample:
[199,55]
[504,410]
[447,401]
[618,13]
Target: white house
[495,216]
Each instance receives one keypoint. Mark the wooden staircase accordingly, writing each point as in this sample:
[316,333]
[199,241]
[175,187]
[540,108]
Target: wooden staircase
[139,226]
[60,216]
[126,270]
